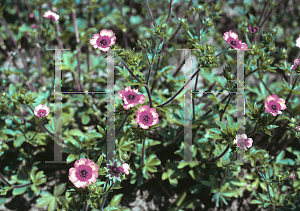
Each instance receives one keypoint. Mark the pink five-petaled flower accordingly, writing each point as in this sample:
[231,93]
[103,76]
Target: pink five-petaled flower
[125,168]
[273,105]
[85,171]
[296,63]
[253,29]
[31,15]
[41,110]
[243,142]
[233,40]
[50,14]
[146,117]
[103,40]
[131,98]
[33,26]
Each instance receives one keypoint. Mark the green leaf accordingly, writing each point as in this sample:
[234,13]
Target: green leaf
[94,135]
[85,119]
[206,183]
[71,158]
[115,200]
[59,189]
[173,106]
[101,130]
[221,124]
[213,98]
[250,106]
[180,199]
[230,121]
[76,132]
[19,191]
[19,141]
[196,189]
[2,201]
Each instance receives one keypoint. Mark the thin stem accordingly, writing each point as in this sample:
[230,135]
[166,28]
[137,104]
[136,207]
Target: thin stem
[178,68]
[8,184]
[79,48]
[262,13]
[170,10]
[20,53]
[226,173]
[104,197]
[172,142]
[253,131]
[122,124]
[154,82]
[129,70]
[143,153]
[252,72]
[124,32]
[85,206]
[180,89]
[217,158]
[225,107]
[269,194]
[223,51]
[149,95]
[149,11]
[264,84]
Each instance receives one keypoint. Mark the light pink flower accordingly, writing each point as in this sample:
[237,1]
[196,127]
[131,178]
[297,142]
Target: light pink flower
[33,26]
[130,97]
[85,171]
[233,41]
[31,15]
[41,110]
[273,105]
[243,142]
[50,14]
[298,42]
[103,40]
[125,168]
[296,63]
[146,117]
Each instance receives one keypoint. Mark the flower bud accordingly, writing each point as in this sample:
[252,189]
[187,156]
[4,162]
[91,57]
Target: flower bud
[274,31]
[293,120]
[164,26]
[266,155]
[297,128]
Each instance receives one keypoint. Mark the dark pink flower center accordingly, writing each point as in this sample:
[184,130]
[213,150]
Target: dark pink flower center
[274,107]
[83,173]
[131,97]
[52,17]
[233,42]
[42,113]
[146,118]
[115,169]
[103,42]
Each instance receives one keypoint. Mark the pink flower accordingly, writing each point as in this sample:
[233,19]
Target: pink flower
[273,104]
[31,15]
[103,40]
[125,168]
[296,63]
[253,29]
[233,41]
[130,97]
[85,171]
[146,117]
[41,110]
[33,26]
[243,142]
[50,14]
[292,175]
[114,170]
[298,42]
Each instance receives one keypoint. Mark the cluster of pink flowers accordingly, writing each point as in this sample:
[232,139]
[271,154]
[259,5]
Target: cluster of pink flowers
[86,171]
[146,116]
